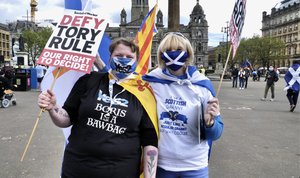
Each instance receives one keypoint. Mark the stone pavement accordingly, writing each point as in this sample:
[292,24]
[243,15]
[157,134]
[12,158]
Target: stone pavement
[261,139]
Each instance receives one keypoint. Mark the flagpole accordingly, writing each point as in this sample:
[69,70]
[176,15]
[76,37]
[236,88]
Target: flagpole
[38,117]
[219,87]
[221,80]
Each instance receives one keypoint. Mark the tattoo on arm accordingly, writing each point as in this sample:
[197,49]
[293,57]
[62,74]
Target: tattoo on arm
[60,112]
[151,156]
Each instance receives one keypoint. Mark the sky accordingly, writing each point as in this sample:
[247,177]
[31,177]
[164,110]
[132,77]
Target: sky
[217,13]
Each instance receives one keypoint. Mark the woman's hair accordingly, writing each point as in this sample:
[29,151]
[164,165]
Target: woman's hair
[127,42]
[174,41]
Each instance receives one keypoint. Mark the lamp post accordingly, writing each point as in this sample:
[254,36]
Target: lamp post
[226,30]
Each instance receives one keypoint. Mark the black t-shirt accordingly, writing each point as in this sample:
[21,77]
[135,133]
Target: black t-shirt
[105,142]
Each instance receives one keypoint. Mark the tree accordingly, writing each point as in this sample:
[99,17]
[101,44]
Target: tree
[35,41]
[261,51]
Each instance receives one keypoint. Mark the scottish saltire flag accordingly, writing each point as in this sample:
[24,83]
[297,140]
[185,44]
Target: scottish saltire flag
[144,40]
[246,63]
[237,23]
[292,78]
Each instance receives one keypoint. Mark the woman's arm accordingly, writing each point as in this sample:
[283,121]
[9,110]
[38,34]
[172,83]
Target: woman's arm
[59,116]
[150,161]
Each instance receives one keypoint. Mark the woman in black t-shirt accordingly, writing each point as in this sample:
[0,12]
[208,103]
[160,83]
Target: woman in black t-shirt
[110,121]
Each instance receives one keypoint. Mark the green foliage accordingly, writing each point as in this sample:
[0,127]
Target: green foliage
[35,41]
[260,51]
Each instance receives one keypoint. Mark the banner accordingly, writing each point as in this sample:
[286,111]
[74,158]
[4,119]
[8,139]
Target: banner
[237,23]
[144,40]
[75,41]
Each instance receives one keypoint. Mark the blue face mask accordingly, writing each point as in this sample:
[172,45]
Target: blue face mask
[122,67]
[174,59]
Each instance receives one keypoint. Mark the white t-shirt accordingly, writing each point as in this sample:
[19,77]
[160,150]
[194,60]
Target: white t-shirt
[177,108]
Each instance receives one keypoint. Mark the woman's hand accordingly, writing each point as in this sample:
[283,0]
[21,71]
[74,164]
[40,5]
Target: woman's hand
[212,110]
[47,100]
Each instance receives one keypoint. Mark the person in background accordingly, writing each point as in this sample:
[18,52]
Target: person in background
[9,73]
[292,79]
[202,69]
[40,71]
[234,75]
[189,114]
[112,118]
[258,74]
[254,75]
[247,75]
[241,75]
[271,78]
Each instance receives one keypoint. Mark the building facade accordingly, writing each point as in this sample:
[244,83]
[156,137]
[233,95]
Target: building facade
[196,30]
[283,23]
[5,43]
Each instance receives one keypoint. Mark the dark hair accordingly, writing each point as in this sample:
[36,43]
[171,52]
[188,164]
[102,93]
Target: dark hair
[127,42]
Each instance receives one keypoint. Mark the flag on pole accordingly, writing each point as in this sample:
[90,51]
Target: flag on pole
[237,23]
[246,63]
[144,40]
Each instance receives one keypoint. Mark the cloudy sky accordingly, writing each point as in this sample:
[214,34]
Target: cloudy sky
[217,13]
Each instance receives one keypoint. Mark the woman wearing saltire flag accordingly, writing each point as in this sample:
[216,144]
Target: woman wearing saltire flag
[112,118]
[188,112]
[292,79]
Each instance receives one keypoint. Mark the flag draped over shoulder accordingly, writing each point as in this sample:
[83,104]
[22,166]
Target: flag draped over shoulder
[144,40]
[292,78]
[237,23]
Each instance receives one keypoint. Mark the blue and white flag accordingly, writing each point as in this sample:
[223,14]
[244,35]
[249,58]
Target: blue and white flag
[292,78]
[246,63]
[193,77]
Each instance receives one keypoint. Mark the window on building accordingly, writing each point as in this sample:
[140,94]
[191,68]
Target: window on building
[284,29]
[279,31]
[289,50]
[295,49]
[131,34]
[290,38]
[290,28]
[296,27]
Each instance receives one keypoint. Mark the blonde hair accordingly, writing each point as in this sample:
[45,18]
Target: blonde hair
[174,41]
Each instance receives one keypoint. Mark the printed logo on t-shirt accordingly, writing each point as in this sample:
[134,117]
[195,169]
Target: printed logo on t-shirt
[108,119]
[172,122]
[115,101]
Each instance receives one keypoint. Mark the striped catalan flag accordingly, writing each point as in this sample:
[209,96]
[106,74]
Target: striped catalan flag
[144,40]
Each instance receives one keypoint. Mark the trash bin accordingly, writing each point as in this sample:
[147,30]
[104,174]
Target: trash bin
[33,78]
[22,79]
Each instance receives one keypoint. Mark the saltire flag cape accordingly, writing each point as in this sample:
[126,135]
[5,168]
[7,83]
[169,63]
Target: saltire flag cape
[246,63]
[194,77]
[67,78]
[144,40]
[292,78]
[237,23]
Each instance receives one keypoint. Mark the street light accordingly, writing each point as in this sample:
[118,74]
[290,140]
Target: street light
[226,30]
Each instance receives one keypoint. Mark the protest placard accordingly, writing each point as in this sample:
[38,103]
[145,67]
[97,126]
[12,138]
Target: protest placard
[74,42]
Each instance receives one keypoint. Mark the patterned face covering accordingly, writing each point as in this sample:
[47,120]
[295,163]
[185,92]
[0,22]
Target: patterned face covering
[122,67]
[174,59]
